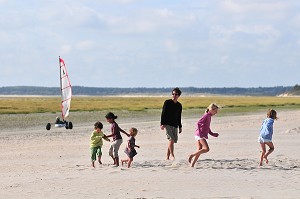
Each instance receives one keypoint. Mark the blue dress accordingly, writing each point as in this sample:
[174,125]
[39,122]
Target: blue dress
[266,131]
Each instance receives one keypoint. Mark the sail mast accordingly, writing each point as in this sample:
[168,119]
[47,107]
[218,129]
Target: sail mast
[60,84]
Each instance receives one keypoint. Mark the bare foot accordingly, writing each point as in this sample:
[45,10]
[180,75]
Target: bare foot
[260,164]
[190,158]
[93,164]
[100,162]
[193,163]
[266,159]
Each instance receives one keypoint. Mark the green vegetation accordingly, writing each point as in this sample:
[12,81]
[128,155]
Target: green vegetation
[18,105]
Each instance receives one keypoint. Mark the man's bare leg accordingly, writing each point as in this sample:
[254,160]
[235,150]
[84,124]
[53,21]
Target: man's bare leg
[170,152]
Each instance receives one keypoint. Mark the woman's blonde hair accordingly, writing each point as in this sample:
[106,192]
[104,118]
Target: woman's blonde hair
[133,131]
[212,107]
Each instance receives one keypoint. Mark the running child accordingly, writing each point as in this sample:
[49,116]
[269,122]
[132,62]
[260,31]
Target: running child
[96,142]
[130,148]
[117,138]
[201,134]
[265,136]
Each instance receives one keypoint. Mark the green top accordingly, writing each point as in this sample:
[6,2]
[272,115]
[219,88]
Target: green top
[96,139]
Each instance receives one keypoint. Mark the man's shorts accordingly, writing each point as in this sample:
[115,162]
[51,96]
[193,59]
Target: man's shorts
[172,133]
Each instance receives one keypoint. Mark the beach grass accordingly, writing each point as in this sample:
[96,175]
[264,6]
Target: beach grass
[24,105]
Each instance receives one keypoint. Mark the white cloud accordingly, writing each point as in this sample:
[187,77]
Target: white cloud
[65,49]
[262,34]
[84,45]
[147,21]
[267,7]
[122,1]
[162,37]
[5,38]
[171,45]
[164,12]
[295,21]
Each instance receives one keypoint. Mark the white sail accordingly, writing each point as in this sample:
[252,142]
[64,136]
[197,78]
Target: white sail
[66,89]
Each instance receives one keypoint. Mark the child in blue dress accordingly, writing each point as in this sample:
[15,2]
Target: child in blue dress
[130,148]
[265,136]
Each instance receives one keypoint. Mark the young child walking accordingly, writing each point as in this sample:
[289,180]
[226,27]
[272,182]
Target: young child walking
[96,142]
[130,150]
[117,138]
[265,136]
[201,134]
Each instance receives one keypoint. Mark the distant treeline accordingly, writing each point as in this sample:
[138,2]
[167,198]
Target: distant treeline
[295,90]
[94,91]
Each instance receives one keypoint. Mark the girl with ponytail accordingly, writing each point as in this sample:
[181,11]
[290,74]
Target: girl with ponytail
[201,134]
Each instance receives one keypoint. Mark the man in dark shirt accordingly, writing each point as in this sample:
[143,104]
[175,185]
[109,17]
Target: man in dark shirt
[171,120]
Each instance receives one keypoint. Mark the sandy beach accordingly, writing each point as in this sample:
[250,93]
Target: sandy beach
[36,163]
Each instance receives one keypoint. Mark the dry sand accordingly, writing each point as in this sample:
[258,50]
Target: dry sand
[36,163]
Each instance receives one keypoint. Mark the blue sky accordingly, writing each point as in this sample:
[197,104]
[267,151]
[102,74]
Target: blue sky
[153,43]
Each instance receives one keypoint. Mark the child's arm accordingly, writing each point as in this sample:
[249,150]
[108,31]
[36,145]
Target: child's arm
[106,138]
[213,134]
[137,146]
[121,130]
[112,133]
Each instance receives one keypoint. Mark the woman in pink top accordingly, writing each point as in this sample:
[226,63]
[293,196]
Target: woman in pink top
[202,131]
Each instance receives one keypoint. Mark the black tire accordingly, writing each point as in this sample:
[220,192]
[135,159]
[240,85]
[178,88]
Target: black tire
[67,125]
[70,125]
[48,126]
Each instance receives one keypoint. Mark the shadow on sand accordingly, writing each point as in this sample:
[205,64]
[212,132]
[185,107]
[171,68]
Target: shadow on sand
[237,164]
